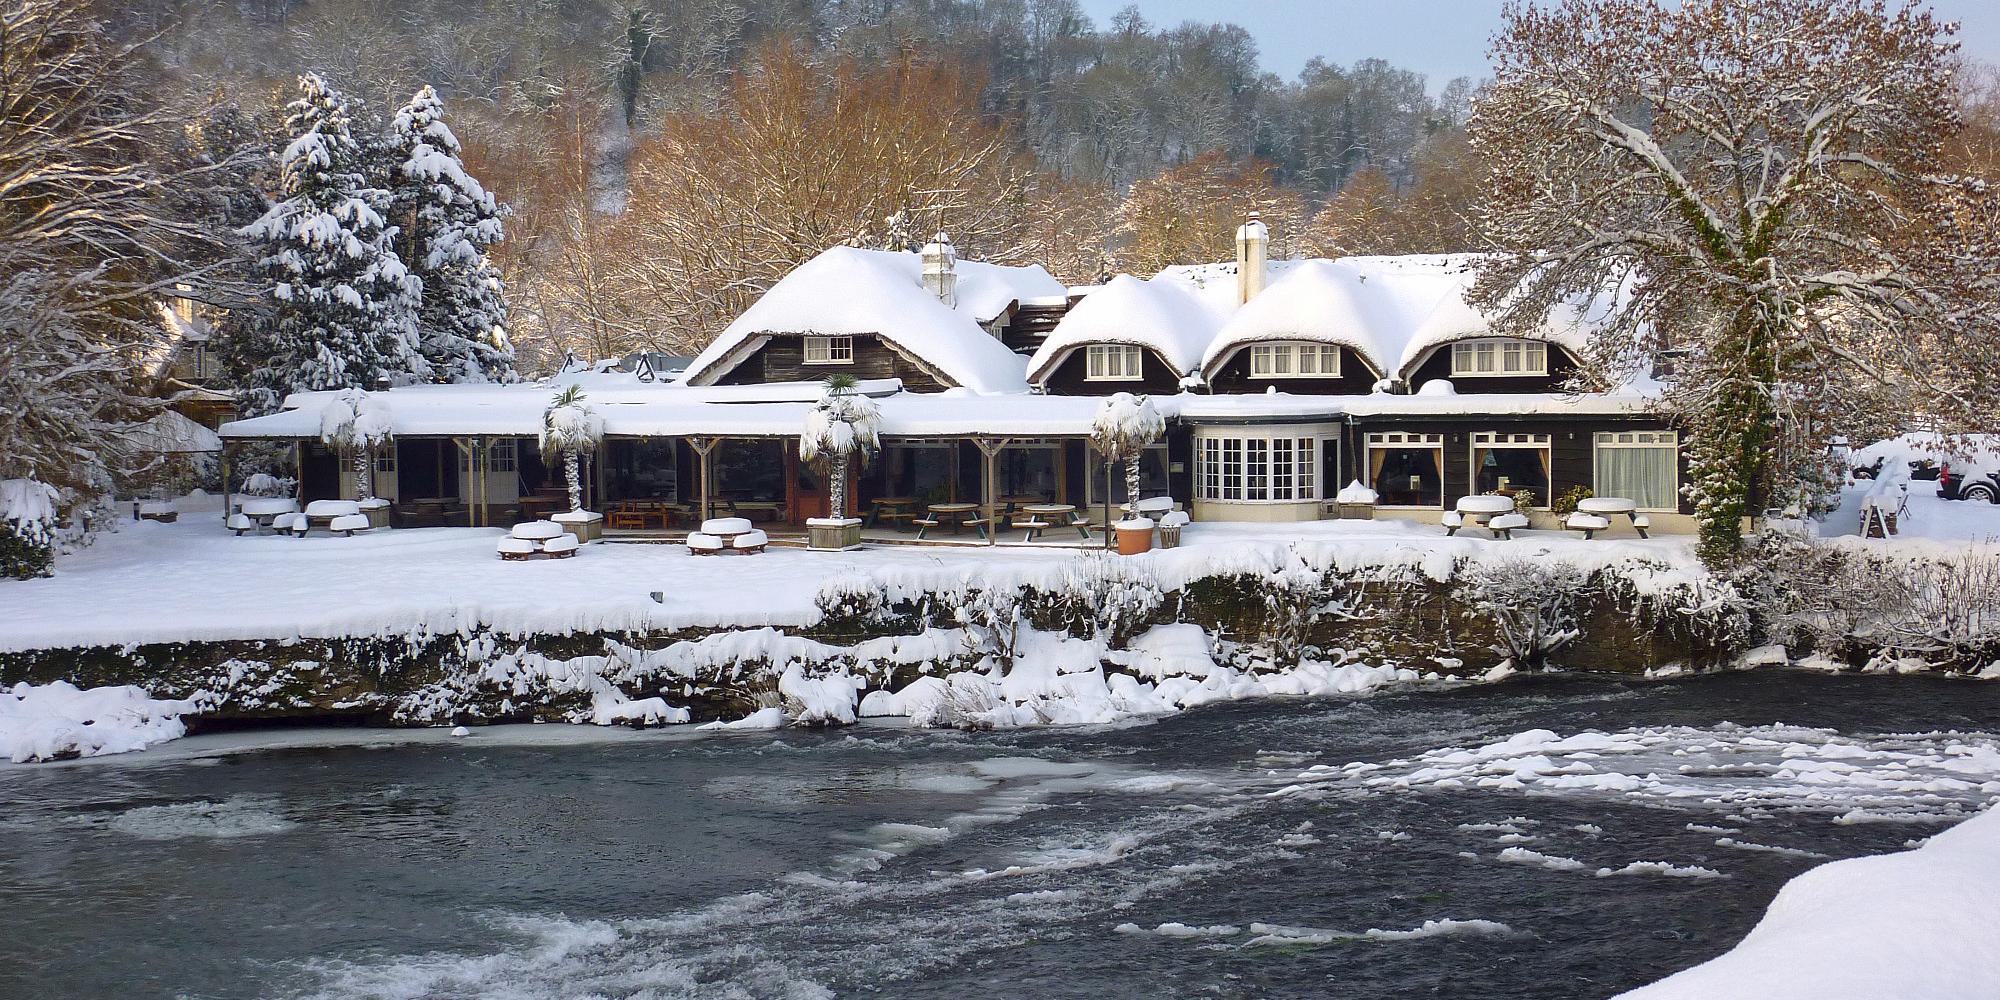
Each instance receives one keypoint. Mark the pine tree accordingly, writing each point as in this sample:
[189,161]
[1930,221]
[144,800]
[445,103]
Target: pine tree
[345,305]
[447,221]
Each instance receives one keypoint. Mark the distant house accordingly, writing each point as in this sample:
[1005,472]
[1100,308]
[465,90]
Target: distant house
[185,368]
[1282,381]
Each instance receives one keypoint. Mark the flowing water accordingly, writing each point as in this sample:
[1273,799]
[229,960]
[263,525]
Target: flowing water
[1187,857]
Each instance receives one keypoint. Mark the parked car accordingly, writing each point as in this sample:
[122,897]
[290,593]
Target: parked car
[1952,486]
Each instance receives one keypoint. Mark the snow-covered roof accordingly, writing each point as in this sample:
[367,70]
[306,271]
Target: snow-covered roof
[846,291]
[168,432]
[1214,285]
[632,408]
[1161,315]
[1390,310]
[638,409]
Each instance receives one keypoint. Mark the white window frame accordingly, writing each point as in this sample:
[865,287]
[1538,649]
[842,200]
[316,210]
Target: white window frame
[1403,441]
[1259,465]
[1638,439]
[1113,363]
[502,456]
[1490,357]
[829,350]
[1515,440]
[1288,359]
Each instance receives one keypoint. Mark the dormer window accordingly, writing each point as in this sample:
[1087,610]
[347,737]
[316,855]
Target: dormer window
[1295,361]
[829,350]
[1112,363]
[1497,356]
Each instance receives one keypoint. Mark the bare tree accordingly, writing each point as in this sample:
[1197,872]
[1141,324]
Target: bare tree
[1758,179]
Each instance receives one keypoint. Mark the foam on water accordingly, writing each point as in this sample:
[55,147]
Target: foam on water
[238,816]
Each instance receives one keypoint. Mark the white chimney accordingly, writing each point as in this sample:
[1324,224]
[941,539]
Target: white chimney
[941,269]
[1253,244]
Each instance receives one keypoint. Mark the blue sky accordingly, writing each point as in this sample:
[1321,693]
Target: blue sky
[1439,38]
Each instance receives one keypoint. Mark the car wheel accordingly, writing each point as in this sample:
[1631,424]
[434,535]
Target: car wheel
[1981,493]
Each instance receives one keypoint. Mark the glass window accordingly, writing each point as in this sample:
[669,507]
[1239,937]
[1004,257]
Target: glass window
[1508,463]
[829,350]
[1289,360]
[385,458]
[500,456]
[1407,470]
[1641,466]
[1112,363]
[1257,468]
[1499,357]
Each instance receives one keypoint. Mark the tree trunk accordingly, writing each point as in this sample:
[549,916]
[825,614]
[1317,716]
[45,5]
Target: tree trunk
[364,468]
[571,470]
[836,486]
[1132,482]
[1729,456]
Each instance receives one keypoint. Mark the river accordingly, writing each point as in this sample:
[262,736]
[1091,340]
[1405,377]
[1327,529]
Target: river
[1183,857]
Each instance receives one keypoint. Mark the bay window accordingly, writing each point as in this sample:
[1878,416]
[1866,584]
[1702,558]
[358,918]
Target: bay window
[1641,466]
[1277,465]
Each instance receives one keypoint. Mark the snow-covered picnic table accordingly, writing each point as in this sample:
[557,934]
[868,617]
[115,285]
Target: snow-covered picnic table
[341,517]
[531,538]
[1594,514]
[727,533]
[1484,511]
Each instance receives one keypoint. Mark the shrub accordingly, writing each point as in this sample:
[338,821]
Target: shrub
[1565,505]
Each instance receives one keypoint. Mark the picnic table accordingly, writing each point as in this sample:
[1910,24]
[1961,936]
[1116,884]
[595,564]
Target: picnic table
[1479,510]
[341,517]
[958,513]
[1046,515]
[727,534]
[1605,508]
[898,510]
[257,513]
[532,538]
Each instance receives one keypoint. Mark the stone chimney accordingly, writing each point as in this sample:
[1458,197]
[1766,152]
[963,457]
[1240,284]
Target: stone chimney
[941,269]
[1253,245]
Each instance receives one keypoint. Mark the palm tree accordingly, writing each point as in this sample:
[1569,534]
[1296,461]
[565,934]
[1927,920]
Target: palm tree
[842,424]
[572,427]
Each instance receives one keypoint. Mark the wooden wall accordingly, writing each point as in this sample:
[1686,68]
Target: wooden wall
[782,359]
[1355,378]
[1438,365]
[1068,378]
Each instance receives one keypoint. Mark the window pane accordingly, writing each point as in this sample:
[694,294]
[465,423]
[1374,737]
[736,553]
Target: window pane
[1232,469]
[1407,477]
[1308,478]
[1511,469]
[1281,469]
[1644,475]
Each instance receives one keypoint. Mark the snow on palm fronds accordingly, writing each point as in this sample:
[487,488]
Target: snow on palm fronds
[841,425]
[1125,424]
[572,427]
[357,422]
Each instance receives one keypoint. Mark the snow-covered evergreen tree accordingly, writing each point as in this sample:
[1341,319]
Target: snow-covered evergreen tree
[345,305]
[447,222]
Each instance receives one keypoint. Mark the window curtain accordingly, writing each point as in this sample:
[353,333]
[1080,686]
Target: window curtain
[1642,475]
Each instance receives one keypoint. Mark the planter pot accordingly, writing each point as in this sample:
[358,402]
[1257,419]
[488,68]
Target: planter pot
[1134,536]
[378,515]
[833,534]
[1357,512]
[1170,536]
[586,525]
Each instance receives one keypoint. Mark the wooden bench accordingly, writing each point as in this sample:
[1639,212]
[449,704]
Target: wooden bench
[925,524]
[1589,524]
[899,517]
[983,525]
[1031,529]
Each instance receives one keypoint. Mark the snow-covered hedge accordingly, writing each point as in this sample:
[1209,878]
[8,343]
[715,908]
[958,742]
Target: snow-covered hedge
[28,526]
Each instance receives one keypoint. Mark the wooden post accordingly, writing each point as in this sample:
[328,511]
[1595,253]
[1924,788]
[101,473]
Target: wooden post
[703,448]
[989,484]
[299,472]
[225,482]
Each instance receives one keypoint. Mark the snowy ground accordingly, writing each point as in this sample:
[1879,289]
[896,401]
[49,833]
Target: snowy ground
[151,582]
[1929,518]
